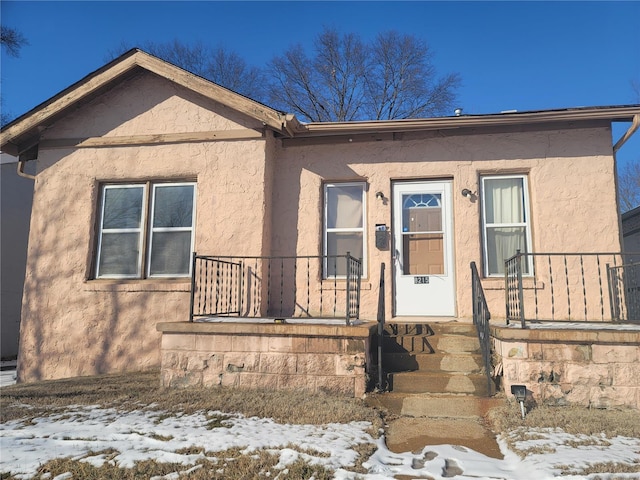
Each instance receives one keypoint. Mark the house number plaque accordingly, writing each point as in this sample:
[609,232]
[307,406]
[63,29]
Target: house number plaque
[421,280]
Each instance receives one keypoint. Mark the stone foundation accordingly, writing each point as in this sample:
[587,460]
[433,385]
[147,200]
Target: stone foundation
[597,368]
[311,357]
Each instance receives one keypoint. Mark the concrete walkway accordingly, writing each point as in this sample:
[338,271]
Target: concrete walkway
[411,430]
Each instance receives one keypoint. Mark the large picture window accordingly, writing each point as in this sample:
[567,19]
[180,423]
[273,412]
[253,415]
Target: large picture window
[344,224]
[506,224]
[146,230]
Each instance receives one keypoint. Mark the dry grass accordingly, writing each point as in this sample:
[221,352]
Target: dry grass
[224,465]
[132,391]
[571,419]
[594,426]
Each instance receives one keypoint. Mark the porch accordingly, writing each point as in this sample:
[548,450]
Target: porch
[283,323]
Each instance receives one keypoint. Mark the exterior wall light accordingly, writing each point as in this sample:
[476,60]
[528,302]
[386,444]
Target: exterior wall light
[520,392]
[467,193]
[380,195]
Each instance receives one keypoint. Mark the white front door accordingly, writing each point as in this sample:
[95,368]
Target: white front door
[423,249]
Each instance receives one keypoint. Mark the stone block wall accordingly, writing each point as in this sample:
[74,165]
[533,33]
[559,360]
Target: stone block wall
[596,368]
[314,358]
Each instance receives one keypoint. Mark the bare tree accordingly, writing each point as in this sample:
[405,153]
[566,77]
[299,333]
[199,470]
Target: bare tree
[12,40]
[629,186]
[217,64]
[346,79]
[402,82]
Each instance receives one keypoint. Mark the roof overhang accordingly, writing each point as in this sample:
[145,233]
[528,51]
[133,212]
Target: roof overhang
[578,116]
[23,134]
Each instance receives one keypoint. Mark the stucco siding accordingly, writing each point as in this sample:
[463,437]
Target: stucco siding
[571,187]
[75,325]
[260,197]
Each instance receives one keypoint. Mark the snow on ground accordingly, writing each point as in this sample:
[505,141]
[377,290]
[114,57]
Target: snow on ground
[148,434]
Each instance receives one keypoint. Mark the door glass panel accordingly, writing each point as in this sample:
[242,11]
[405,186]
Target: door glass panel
[422,235]
[421,213]
[423,254]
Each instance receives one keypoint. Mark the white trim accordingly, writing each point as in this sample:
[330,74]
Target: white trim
[146,229]
[139,230]
[362,229]
[526,224]
[152,229]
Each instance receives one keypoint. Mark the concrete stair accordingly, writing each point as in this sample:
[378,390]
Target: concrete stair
[433,358]
[436,383]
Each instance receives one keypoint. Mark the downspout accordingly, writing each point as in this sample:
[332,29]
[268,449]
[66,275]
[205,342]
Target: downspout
[21,171]
[628,134]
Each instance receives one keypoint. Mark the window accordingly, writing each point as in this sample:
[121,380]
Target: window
[344,224]
[133,243]
[506,224]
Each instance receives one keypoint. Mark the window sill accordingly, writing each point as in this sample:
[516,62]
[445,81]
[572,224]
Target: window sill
[497,283]
[138,285]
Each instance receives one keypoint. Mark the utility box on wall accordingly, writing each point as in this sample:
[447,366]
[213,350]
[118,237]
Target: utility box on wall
[382,237]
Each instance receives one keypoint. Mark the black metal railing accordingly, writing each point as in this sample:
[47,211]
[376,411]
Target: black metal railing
[381,321]
[276,287]
[624,289]
[481,317]
[563,287]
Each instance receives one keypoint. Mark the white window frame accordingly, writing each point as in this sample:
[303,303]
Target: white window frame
[362,229]
[528,272]
[145,230]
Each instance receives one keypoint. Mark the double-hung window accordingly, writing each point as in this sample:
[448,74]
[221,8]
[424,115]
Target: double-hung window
[146,230]
[506,222]
[344,225]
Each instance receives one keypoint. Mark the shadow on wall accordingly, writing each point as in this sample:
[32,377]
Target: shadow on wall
[70,326]
[16,194]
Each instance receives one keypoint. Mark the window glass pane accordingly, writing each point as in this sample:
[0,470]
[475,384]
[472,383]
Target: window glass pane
[173,206]
[423,254]
[170,253]
[502,243]
[119,254]
[421,213]
[122,207]
[504,198]
[344,206]
[340,244]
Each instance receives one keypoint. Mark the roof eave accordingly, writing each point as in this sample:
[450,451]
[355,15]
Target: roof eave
[23,132]
[587,114]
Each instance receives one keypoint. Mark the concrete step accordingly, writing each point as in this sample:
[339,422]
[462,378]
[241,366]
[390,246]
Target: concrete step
[447,343]
[434,405]
[432,362]
[438,382]
[431,329]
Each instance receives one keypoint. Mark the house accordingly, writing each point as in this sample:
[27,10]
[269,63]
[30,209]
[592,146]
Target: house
[631,231]
[15,201]
[140,164]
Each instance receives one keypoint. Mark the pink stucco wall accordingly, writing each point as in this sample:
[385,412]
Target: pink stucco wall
[258,197]
[571,188]
[73,325]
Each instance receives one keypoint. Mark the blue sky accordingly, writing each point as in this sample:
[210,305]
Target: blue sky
[510,55]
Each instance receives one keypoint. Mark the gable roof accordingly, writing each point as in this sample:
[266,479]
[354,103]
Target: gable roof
[23,133]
